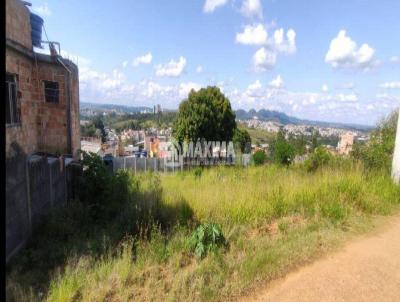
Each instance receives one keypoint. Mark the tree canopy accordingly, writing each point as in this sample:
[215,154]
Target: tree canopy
[282,151]
[378,153]
[242,140]
[205,114]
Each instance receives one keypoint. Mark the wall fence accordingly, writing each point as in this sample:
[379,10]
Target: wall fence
[142,164]
[34,185]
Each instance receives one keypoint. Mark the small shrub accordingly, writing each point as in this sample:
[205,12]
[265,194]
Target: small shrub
[318,158]
[207,237]
[259,157]
[197,172]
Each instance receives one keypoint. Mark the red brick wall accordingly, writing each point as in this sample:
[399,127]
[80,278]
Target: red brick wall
[24,134]
[43,125]
[18,25]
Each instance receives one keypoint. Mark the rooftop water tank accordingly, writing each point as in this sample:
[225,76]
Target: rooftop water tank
[36,26]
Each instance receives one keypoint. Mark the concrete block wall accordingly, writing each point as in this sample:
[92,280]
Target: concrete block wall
[17,209]
[34,185]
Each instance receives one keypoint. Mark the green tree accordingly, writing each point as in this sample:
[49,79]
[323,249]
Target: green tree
[241,140]
[205,114]
[281,150]
[88,130]
[98,123]
[378,152]
[259,157]
[318,158]
[314,140]
[299,144]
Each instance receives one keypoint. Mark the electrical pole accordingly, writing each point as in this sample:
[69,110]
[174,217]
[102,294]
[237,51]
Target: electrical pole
[396,154]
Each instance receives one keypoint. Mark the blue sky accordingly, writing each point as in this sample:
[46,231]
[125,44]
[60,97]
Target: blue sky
[327,60]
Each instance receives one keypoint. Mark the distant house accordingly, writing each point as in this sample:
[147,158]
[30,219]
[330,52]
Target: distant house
[265,147]
[91,146]
[345,144]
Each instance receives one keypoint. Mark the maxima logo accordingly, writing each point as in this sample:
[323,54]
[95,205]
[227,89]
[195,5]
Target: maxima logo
[174,152]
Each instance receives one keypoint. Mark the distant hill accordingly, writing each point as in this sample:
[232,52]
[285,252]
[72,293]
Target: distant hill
[283,118]
[120,108]
[262,115]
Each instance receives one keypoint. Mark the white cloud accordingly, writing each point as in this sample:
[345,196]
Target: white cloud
[325,88]
[252,35]
[251,8]
[395,59]
[199,69]
[344,53]
[254,89]
[145,59]
[255,86]
[263,59]
[348,85]
[124,64]
[277,82]
[171,69]
[352,97]
[43,10]
[211,5]
[185,88]
[258,35]
[391,85]
[283,45]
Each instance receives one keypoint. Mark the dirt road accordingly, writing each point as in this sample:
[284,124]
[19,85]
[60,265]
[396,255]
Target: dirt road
[367,269]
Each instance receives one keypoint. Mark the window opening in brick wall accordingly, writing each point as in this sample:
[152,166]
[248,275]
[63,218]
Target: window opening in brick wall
[12,104]
[51,91]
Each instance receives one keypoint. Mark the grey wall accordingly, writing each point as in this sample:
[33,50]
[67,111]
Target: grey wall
[140,164]
[17,216]
[34,185]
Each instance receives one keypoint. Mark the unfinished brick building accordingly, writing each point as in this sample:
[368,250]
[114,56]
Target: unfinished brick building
[42,125]
[42,92]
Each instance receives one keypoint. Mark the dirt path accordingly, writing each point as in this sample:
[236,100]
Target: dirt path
[365,270]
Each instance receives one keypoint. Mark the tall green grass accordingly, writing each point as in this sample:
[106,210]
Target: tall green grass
[273,219]
[249,196]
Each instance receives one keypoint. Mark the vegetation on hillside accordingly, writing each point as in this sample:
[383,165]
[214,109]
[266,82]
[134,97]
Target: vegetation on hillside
[258,136]
[377,154]
[205,234]
[194,236]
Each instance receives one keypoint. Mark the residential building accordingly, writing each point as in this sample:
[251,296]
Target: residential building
[345,144]
[42,91]
[42,125]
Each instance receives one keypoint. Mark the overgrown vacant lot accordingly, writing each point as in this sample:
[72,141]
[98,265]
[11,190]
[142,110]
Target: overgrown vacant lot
[273,220]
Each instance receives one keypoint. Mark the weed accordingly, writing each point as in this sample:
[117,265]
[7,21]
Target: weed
[207,237]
